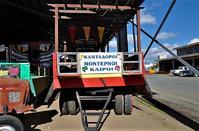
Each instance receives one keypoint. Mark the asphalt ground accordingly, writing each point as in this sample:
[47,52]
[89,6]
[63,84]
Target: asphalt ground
[180,94]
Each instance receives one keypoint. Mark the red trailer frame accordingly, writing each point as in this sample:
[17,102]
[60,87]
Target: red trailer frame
[133,80]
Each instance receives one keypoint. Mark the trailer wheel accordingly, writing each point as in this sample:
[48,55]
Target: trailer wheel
[10,123]
[127,104]
[63,105]
[64,109]
[72,107]
[21,116]
[119,104]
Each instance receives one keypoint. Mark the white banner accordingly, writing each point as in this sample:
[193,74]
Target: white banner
[94,63]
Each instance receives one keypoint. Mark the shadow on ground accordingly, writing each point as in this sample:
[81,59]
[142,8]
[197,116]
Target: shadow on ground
[178,116]
[32,120]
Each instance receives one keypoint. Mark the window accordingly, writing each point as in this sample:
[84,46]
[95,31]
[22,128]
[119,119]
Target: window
[196,49]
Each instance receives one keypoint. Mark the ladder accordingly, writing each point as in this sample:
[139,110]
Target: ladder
[103,114]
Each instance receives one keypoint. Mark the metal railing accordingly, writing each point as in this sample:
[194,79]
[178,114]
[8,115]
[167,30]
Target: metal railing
[132,63]
[68,63]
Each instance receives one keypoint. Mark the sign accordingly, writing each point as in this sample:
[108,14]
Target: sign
[94,63]
[10,70]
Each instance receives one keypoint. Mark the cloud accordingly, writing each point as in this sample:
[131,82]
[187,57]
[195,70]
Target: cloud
[158,51]
[113,43]
[165,35]
[147,19]
[157,4]
[193,41]
[154,5]
[130,38]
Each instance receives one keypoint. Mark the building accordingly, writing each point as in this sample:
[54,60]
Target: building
[190,53]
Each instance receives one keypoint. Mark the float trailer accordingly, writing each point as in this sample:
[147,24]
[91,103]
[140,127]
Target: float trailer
[89,79]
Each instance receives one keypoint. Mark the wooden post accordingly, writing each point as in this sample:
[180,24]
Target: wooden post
[38,70]
[44,71]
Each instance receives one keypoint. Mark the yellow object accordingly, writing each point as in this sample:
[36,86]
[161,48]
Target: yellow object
[151,71]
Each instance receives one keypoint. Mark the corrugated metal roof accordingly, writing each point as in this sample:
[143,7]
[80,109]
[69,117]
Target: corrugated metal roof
[31,20]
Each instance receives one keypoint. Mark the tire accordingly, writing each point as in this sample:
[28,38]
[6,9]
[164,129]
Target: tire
[181,74]
[21,116]
[119,104]
[64,109]
[72,107]
[63,105]
[10,123]
[127,104]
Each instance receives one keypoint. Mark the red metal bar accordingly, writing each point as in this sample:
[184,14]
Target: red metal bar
[56,29]
[107,7]
[76,11]
[110,82]
[73,5]
[91,6]
[138,31]
[56,83]
[56,5]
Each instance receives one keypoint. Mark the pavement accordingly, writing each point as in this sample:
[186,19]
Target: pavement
[145,117]
[179,93]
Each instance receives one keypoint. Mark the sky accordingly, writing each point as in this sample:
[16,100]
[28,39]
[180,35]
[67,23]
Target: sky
[180,28]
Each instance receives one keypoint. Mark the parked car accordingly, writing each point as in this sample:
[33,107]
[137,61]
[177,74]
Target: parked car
[182,71]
